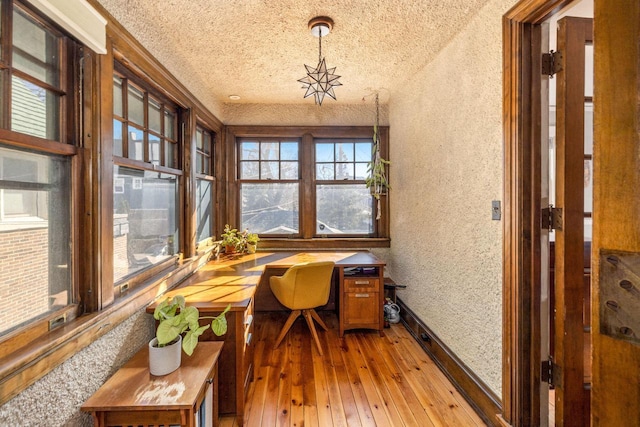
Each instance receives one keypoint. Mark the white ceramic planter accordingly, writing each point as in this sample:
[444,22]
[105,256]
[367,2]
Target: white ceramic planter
[164,360]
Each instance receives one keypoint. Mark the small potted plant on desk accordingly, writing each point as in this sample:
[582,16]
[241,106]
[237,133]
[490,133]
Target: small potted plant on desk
[252,242]
[176,319]
[232,240]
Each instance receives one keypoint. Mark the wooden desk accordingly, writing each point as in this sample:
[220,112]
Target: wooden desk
[132,396]
[243,281]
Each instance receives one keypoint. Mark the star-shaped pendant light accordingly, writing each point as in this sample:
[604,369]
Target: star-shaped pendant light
[320,80]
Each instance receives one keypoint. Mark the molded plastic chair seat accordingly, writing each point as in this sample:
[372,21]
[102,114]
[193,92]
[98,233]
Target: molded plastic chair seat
[302,288]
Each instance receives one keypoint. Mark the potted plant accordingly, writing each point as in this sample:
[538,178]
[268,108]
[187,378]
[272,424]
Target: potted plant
[232,240]
[176,319]
[252,242]
[377,181]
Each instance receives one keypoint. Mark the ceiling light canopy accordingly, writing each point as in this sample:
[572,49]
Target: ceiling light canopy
[320,80]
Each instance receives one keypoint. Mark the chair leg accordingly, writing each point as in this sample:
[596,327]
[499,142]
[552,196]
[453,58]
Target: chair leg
[308,317]
[287,325]
[317,318]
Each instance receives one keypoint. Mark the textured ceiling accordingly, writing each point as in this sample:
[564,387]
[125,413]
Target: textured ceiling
[257,48]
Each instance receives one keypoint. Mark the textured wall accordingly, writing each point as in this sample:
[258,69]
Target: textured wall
[446,152]
[307,114]
[55,400]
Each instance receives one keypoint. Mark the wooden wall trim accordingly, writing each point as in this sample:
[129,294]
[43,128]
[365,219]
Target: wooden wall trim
[485,402]
[521,225]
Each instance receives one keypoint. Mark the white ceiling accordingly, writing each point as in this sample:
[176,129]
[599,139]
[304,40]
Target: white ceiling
[257,48]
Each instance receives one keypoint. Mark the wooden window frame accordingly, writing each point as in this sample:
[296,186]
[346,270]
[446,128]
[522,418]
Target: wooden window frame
[336,181]
[307,238]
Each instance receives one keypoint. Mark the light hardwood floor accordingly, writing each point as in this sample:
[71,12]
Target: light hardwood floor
[362,380]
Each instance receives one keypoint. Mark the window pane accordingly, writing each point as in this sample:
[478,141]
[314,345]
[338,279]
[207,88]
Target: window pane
[249,170]
[203,209]
[170,158]
[270,208]
[135,106]
[249,151]
[34,110]
[344,209]
[363,151]
[117,96]
[344,171]
[269,151]
[289,170]
[169,125]
[155,116]
[34,223]
[145,219]
[199,139]
[35,50]
[344,152]
[117,138]
[136,141]
[269,170]
[325,171]
[362,171]
[324,153]
[289,151]
[154,149]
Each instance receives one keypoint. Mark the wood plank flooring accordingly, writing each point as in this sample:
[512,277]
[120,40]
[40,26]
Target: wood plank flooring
[362,380]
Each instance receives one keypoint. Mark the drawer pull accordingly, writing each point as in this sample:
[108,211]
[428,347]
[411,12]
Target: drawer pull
[248,321]
[248,340]
[361,282]
[362,295]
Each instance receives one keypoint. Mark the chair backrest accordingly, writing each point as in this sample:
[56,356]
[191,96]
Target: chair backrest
[308,284]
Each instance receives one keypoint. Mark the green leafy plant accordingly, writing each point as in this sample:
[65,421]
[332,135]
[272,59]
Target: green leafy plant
[377,180]
[252,238]
[175,318]
[237,241]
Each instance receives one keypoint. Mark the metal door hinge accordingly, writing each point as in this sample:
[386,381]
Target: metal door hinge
[551,63]
[552,218]
[547,372]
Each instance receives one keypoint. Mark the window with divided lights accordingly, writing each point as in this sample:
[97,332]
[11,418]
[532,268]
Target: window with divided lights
[144,127]
[35,184]
[204,183]
[145,198]
[32,78]
[343,203]
[268,172]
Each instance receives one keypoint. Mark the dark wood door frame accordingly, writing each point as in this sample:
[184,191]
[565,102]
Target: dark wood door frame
[522,195]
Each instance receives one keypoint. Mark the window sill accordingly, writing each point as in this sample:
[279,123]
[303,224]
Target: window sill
[325,243]
[33,361]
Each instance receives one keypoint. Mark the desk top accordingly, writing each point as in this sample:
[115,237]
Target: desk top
[133,388]
[233,279]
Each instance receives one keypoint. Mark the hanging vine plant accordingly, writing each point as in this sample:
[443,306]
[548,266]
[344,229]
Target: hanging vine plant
[377,180]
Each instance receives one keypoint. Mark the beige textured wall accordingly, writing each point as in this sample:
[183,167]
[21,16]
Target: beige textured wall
[55,400]
[307,114]
[446,152]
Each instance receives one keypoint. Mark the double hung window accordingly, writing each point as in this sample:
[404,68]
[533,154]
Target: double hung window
[269,176]
[145,187]
[343,202]
[35,172]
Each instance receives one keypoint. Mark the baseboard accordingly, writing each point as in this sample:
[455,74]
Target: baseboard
[476,392]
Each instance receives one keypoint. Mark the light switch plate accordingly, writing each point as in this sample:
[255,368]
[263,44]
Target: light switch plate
[495,210]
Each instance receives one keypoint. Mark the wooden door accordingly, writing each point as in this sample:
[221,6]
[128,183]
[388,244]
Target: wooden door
[615,395]
[571,392]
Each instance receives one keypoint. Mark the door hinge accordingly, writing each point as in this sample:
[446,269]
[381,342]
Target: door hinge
[552,218]
[551,63]
[547,371]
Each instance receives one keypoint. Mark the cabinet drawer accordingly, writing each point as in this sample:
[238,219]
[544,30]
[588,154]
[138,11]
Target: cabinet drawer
[362,283]
[361,308]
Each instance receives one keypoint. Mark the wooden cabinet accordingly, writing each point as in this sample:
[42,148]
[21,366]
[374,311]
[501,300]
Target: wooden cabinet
[361,299]
[185,397]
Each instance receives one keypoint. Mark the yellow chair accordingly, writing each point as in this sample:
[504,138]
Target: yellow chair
[302,288]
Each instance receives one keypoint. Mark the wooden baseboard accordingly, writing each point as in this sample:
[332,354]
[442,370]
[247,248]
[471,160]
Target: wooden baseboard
[483,400]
